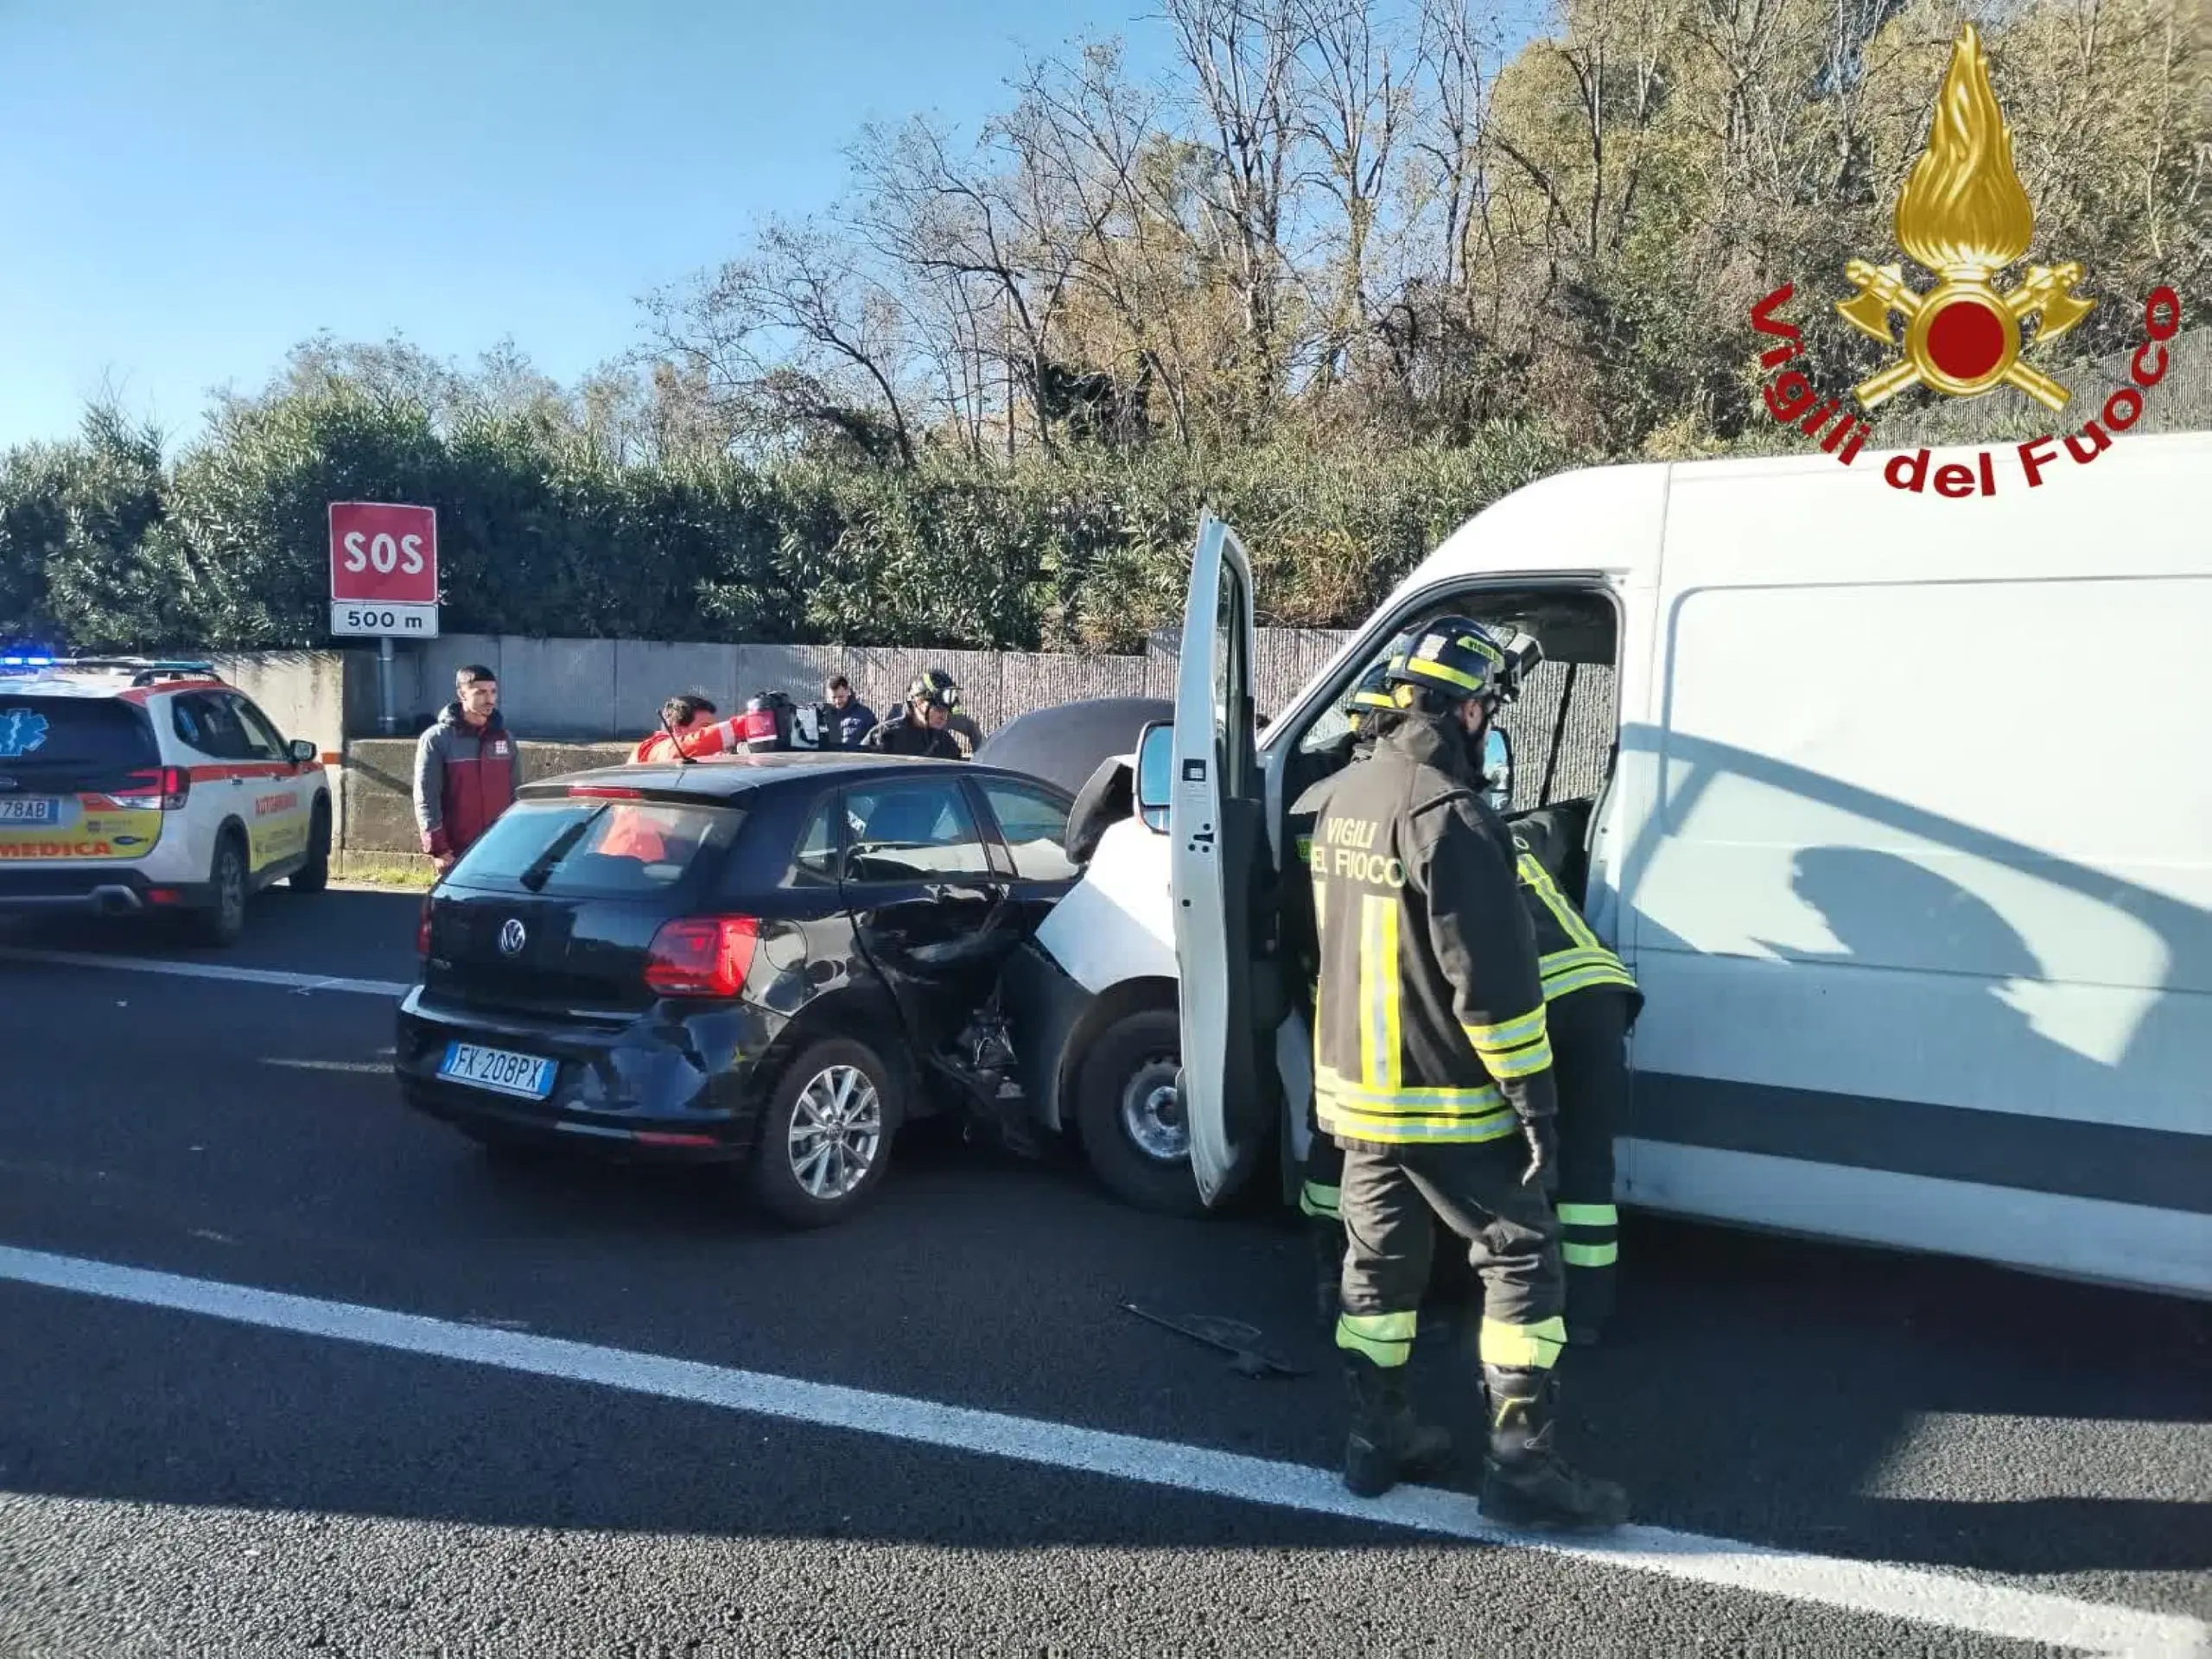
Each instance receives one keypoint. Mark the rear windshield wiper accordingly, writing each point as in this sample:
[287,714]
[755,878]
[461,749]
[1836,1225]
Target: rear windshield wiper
[541,868]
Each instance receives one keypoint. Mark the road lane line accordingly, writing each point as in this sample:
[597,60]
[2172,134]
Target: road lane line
[300,983]
[1913,1593]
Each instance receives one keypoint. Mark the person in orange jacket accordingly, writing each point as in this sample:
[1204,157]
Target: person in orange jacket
[688,727]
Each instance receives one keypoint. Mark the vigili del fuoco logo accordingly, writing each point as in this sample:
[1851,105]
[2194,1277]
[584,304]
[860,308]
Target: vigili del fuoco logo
[1963,216]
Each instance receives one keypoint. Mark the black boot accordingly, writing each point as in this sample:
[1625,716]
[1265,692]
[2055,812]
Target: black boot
[1385,1441]
[1327,1234]
[1525,1481]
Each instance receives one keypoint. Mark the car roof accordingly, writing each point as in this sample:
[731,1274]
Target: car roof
[722,776]
[137,678]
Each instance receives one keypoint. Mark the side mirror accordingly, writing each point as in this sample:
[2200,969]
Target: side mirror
[1155,774]
[1497,769]
[303,750]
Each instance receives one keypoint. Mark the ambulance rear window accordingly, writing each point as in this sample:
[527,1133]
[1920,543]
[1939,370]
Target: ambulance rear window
[44,734]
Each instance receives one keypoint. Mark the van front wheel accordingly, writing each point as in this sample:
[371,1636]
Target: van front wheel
[1131,1115]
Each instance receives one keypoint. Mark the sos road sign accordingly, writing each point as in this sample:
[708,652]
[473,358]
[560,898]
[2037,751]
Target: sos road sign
[383,569]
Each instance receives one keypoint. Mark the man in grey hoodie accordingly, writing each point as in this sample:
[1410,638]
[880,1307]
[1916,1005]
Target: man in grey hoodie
[465,768]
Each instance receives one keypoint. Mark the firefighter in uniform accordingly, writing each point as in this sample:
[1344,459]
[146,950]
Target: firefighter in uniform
[1324,1160]
[1590,1001]
[1432,1070]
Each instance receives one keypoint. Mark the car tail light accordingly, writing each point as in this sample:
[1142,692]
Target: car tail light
[423,931]
[155,789]
[701,955]
[603,792]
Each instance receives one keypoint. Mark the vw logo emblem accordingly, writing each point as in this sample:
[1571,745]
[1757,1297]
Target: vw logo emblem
[9,783]
[511,936]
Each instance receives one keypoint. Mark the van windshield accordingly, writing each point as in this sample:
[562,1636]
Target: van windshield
[583,847]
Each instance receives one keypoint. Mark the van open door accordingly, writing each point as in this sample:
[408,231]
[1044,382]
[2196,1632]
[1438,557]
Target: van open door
[1222,875]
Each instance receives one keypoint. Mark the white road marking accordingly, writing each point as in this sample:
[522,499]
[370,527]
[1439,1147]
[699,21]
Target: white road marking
[303,983]
[1912,1593]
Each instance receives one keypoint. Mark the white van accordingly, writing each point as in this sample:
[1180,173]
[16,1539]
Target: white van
[1898,806]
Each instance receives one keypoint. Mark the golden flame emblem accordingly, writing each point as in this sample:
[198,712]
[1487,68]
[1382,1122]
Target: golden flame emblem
[1964,215]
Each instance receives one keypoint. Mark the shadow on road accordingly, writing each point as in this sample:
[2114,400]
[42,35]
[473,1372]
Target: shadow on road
[348,932]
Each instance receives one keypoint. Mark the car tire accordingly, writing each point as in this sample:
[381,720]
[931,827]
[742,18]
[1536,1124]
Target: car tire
[315,875]
[838,1103]
[1118,1101]
[222,920]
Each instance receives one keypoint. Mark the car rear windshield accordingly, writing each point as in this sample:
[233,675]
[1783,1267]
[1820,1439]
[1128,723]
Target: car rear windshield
[72,735]
[585,847]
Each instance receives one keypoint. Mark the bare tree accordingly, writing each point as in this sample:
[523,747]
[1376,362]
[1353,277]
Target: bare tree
[1243,57]
[1355,98]
[799,335]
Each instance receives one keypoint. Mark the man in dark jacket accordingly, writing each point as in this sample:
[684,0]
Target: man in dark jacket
[847,720]
[1432,1070]
[917,729]
[965,732]
[465,768]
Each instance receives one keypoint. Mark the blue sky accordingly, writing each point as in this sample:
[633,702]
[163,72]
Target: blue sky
[189,189]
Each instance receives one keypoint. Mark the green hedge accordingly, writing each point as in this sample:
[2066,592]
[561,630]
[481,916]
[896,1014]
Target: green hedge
[226,549]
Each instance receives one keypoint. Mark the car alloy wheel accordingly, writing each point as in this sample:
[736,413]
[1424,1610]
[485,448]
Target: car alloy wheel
[836,1130]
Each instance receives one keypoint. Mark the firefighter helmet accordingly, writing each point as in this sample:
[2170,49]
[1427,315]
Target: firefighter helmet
[948,691]
[926,692]
[1372,689]
[1455,658]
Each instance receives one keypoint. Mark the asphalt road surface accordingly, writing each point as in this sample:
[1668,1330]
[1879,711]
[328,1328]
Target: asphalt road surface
[288,1370]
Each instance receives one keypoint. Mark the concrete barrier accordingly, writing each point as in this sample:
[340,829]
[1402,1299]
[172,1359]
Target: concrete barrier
[377,806]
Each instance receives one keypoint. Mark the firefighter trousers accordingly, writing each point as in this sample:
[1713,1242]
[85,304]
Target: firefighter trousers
[1392,1198]
[1589,1032]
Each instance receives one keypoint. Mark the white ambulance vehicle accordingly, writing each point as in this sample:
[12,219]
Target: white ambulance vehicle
[130,786]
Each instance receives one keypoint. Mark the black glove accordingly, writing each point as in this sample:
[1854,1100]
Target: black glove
[1542,1135]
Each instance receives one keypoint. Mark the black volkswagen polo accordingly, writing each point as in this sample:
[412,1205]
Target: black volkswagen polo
[770,960]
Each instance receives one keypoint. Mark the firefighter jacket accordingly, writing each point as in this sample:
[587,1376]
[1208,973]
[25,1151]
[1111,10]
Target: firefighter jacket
[901,734]
[1429,1021]
[1569,956]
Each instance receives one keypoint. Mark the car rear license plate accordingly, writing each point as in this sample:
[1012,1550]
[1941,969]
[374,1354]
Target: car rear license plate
[498,1069]
[29,811]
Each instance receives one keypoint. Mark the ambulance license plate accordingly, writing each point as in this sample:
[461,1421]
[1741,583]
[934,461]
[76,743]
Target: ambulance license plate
[29,811]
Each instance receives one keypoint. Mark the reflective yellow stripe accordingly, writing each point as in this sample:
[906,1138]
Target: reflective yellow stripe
[1317,1199]
[1513,1048]
[1522,1345]
[1539,882]
[1402,1129]
[1521,1062]
[1590,1255]
[1509,1034]
[1583,978]
[1378,991]
[1476,1097]
[1430,670]
[1589,1215]
[1559,962]
[1386,1339]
